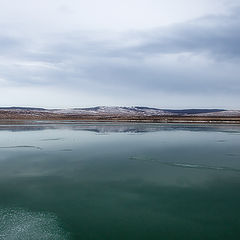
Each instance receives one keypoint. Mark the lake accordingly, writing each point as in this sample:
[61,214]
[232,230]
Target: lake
[110,181]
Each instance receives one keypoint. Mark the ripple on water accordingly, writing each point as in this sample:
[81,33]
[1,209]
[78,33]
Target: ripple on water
[19,224]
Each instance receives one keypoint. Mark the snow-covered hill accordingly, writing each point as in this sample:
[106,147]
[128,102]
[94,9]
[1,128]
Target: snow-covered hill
[141,111]
[123,111]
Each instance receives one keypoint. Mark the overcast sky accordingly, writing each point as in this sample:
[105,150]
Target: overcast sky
[78,53]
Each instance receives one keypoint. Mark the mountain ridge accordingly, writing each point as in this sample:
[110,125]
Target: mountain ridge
[119,109]
[116,111]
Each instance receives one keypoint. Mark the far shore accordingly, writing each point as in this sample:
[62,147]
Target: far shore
[18,118]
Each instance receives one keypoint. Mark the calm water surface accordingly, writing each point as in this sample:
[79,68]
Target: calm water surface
[119,181]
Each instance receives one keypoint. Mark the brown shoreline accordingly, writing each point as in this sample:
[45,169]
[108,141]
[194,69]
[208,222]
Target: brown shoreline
[10,116]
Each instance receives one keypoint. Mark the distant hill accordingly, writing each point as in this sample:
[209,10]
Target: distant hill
[118,114]
[139,110]
[126,111]
[194,111]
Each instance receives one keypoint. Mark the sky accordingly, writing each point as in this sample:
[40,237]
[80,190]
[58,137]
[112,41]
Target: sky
[157,53]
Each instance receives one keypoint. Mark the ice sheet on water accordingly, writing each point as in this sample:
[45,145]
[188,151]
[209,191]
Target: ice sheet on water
[187,165]
[51,139]
[22,146]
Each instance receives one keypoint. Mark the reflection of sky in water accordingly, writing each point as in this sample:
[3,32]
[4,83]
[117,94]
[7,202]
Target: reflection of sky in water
[169,182]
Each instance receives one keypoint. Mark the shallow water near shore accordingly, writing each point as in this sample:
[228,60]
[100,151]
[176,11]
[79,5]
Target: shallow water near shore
[96,181]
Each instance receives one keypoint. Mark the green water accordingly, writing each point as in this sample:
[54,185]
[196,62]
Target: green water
[119,181]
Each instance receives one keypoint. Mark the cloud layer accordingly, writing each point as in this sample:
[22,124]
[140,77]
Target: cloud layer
[192,63]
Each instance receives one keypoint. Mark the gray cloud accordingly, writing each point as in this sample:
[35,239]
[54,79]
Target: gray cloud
[9,44]
[218,36]
[195,57]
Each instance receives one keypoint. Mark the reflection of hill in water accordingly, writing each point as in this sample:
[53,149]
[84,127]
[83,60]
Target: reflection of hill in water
[114,127]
